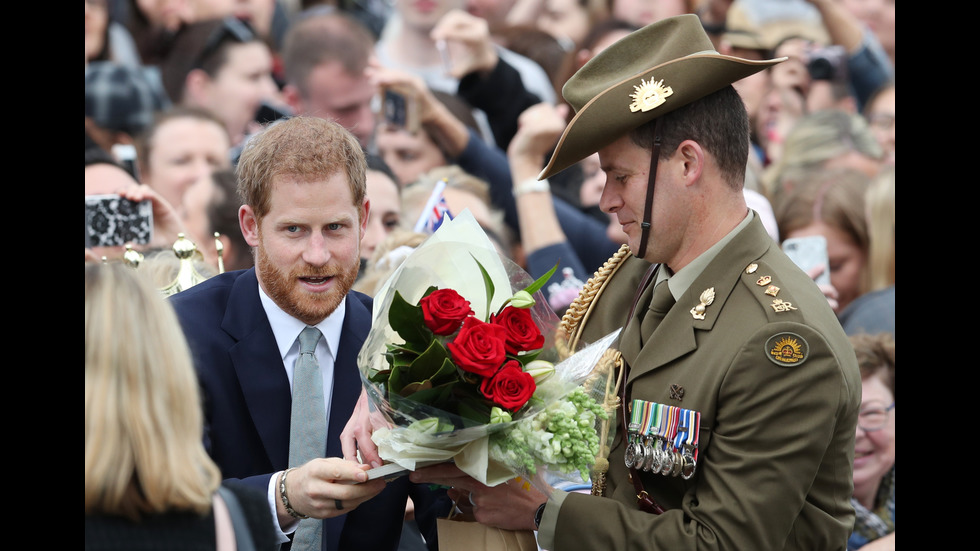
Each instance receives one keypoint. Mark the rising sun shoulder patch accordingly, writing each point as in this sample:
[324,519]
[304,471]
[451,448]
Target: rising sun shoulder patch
[787,349]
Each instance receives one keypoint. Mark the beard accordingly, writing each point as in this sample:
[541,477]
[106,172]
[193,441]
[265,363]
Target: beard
[284,289]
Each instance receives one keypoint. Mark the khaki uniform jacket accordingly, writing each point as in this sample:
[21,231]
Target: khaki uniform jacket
[776,444]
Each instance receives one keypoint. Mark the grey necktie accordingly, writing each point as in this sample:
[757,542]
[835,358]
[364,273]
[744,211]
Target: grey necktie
[307,427]
[660,304]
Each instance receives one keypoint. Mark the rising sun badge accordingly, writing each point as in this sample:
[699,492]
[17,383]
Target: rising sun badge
[787,349]
[648,95]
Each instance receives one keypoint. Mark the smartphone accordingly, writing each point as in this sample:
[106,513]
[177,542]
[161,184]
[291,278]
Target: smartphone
[112,221]
[126,155]
[807,252]
[399,110]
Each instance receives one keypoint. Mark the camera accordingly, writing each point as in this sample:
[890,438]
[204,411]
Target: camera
[828,63]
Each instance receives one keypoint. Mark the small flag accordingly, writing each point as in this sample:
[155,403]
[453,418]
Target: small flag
[436,210]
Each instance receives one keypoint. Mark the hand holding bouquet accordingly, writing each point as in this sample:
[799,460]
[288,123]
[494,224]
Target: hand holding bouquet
[468,373]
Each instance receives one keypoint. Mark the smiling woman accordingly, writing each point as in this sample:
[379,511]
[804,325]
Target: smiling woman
[874,446]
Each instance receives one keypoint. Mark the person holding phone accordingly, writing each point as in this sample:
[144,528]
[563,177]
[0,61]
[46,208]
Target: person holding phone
[103,175]
[830,204]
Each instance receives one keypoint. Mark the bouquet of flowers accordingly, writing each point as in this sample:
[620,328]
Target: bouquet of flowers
[465,372]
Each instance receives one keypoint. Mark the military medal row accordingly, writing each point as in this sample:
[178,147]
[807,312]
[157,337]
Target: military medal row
[663,439]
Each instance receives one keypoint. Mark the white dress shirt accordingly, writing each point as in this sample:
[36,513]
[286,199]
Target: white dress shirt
[286,330]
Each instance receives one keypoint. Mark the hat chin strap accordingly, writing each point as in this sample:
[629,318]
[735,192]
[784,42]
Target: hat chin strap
[651,182]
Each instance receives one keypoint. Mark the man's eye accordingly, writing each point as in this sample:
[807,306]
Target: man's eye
[292,229]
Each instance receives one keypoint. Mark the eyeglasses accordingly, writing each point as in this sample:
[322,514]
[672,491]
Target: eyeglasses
[874,416]
[882,121]
[230,27]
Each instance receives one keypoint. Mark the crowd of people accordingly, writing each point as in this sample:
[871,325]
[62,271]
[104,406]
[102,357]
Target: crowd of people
[297,144]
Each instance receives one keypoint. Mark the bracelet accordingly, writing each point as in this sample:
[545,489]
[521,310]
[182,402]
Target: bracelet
[532,185]
[285,499]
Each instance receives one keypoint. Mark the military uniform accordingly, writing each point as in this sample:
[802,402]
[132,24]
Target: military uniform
[778,390]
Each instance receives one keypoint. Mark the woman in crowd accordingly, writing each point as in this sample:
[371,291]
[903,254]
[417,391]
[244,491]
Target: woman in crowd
[149,483]
[874,445]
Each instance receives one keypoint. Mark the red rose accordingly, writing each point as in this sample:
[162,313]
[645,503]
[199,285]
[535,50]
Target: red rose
[479,348]
[444,311]
[510,387]
[522,334]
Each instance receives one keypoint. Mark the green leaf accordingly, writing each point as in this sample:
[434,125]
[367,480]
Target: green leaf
[539,283]
[409,322]
[381,377]
[425,371]
[488,283]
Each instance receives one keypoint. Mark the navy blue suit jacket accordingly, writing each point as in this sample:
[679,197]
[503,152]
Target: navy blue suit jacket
[247,403]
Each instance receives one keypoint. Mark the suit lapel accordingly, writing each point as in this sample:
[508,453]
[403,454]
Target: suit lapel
[346,391]
[259,367]
[347,376]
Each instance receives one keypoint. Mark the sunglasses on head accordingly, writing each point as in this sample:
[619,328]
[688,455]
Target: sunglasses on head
[230,28]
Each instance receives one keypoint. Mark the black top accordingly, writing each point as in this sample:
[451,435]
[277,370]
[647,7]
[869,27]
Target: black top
[179,531]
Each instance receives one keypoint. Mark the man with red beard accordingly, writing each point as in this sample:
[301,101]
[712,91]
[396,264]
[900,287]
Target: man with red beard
[302,183]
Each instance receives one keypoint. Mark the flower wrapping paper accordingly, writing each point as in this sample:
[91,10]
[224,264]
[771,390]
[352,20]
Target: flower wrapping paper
[419,433]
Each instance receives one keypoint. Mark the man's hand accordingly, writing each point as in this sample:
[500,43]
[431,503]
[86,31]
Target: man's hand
[509,506]
[315,488]
[356,435]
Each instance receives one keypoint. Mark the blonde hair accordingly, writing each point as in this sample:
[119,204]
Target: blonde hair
[415,195]
[880,204]
[162,266]
[387,256]
[817,138]
[144,452]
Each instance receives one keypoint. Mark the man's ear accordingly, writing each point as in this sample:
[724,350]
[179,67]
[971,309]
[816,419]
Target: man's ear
[250,225]
[366,210]
[290,94]
[691,155]
[196,86]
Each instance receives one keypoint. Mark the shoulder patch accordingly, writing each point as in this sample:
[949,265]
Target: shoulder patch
[787,349]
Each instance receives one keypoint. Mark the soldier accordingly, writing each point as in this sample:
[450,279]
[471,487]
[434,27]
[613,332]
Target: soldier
[740,397]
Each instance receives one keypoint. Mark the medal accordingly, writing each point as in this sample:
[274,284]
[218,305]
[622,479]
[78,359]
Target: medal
[656,427]
[630,457]
[635,454]
[673,421]
[687,443]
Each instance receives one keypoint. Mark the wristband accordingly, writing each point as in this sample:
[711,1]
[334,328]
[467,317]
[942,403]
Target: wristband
[285,499]
[531,185]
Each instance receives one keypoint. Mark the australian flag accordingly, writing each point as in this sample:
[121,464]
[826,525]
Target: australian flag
[436,211]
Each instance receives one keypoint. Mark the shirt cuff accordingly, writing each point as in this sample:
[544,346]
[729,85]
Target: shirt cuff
[283,535]
[549,520]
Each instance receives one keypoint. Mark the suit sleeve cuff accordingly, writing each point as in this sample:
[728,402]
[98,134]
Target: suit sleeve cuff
[549,520]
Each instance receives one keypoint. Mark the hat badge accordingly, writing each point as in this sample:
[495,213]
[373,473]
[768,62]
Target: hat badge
[648,95]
